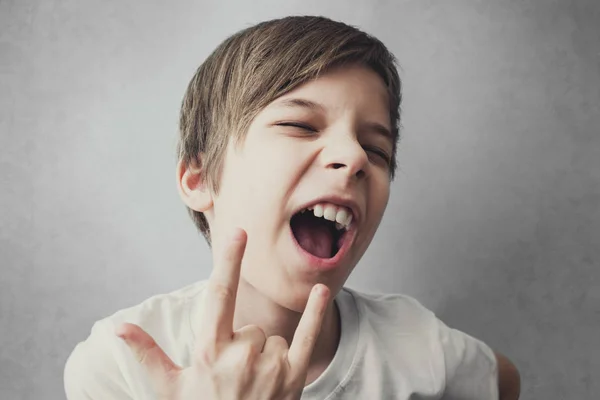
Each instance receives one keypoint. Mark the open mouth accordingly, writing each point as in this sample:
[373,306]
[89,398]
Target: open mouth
[316,235]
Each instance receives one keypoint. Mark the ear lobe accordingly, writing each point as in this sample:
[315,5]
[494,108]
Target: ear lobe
[194,191]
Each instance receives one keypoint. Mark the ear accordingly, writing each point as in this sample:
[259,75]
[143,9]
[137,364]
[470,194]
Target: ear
[194,191]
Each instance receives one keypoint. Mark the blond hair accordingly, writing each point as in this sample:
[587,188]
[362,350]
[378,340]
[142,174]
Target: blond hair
[257,65]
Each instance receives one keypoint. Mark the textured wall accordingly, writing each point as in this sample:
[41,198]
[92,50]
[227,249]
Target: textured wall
[494,221]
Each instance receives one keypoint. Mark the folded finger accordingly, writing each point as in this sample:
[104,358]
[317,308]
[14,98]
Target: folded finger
[149,354]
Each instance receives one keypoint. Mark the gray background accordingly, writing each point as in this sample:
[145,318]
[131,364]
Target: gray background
[494,221]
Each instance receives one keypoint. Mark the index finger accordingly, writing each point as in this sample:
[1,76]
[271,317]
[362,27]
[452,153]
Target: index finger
[218,306]
[308,329]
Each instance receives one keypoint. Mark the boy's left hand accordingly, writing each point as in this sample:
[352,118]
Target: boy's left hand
[227,364]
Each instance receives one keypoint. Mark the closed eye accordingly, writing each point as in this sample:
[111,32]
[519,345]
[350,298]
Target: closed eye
[298,125]
[374,150]
[379,152]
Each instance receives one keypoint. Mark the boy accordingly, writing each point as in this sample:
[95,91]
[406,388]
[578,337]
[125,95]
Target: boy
[287,150]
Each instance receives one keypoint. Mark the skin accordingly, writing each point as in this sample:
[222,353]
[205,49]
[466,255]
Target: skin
[277,169]
[229,364]
[509,379]
[329,159]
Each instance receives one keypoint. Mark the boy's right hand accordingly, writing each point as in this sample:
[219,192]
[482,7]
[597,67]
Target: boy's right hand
[227,364]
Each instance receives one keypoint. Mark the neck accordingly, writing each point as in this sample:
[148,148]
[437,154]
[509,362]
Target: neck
[276,320]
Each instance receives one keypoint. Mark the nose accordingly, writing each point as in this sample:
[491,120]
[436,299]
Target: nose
[346,155]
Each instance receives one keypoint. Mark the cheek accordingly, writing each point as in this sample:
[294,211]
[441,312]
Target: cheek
[379,197]
[255,194]
[270,171]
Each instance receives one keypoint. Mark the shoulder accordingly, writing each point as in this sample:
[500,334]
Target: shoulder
[470,365]
[101,366]
[91,370]
[161,312]
[461,365]
[382,308]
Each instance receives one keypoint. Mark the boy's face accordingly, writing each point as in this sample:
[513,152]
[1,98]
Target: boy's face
[324,140]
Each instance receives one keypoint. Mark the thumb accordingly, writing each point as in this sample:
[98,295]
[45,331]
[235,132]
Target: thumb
[149,354]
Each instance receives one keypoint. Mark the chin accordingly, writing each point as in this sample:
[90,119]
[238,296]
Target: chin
[290,295]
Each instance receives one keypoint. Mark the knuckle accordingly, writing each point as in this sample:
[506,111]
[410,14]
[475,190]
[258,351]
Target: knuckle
[222,292]
[255,329]
[145,355]
[206,356]
[142,356]
[273,367]
[246,355]
[307,341]
[278,342]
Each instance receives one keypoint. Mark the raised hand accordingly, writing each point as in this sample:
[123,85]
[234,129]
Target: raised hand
[244,364]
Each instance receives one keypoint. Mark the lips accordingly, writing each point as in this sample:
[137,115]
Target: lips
[330,207]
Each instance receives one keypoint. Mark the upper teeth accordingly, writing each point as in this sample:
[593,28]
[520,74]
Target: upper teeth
[338,214]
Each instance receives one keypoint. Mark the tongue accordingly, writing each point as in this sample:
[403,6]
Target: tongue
[314,236]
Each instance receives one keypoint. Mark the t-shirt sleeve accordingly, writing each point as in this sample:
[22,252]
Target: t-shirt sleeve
[470,366]
[92,372]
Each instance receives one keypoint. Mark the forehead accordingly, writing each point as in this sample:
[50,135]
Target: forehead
[354,89]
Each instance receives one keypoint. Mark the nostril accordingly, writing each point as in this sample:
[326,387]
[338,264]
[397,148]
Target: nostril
[359,174]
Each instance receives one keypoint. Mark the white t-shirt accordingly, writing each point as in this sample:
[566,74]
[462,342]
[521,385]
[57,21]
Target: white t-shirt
[391,347]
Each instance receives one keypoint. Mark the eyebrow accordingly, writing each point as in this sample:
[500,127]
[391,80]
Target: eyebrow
[311,105]
[380,129]
[300,103]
